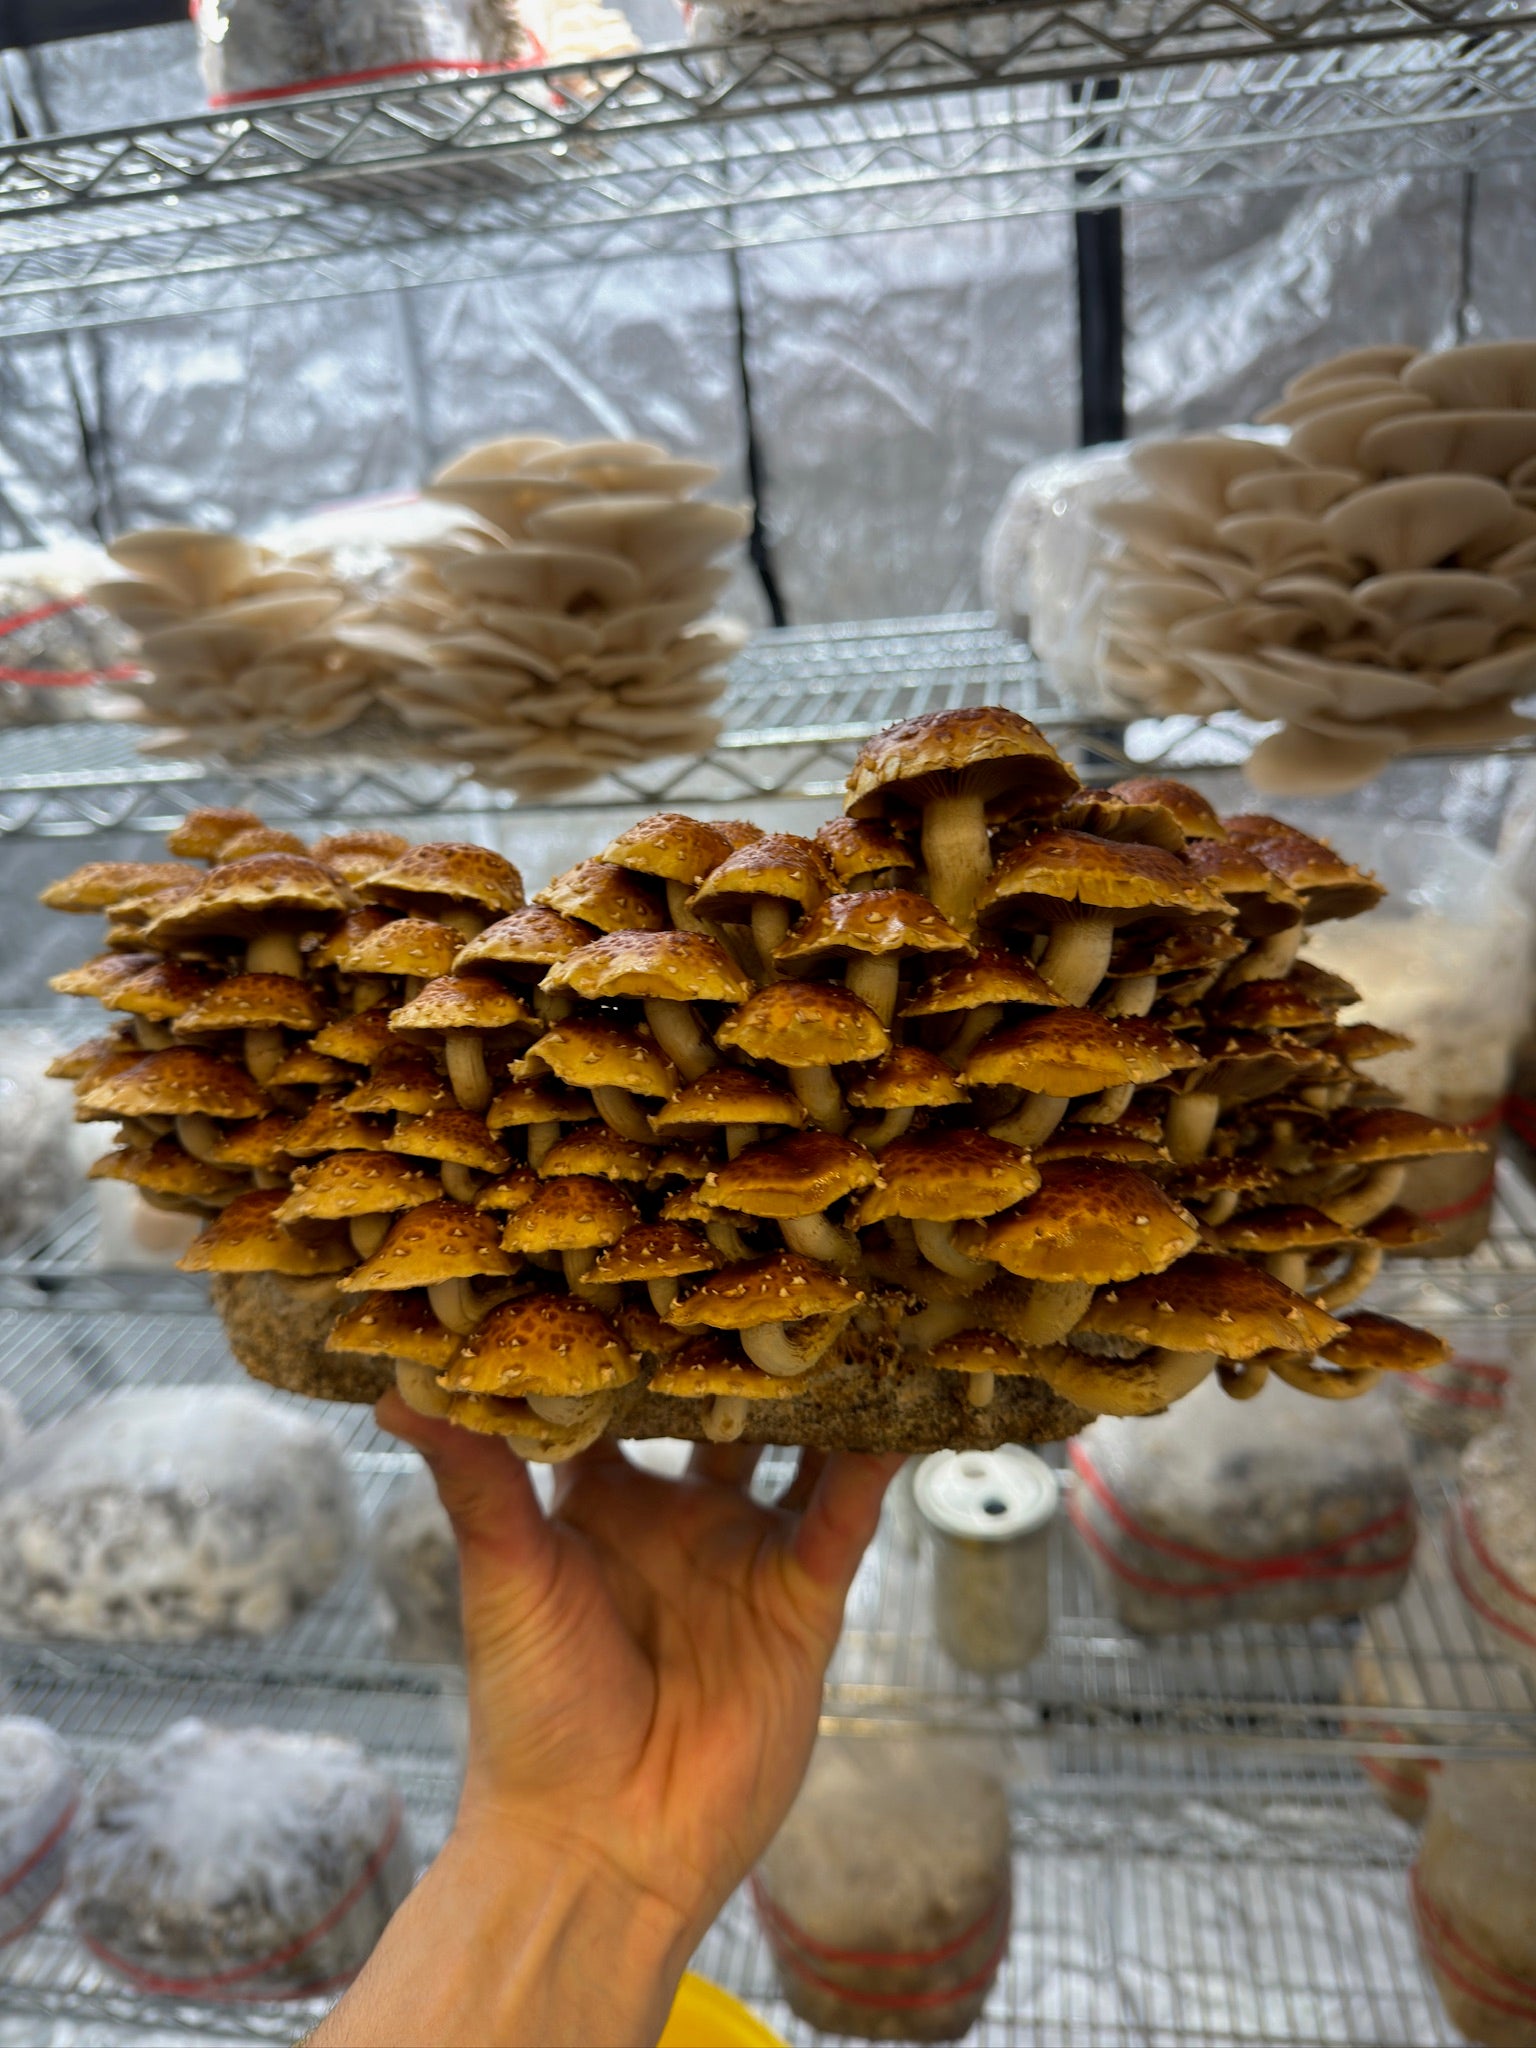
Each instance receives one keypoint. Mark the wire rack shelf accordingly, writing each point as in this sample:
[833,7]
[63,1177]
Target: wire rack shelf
[941,115]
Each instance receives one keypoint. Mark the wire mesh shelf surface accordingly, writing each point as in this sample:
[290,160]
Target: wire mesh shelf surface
[965,113]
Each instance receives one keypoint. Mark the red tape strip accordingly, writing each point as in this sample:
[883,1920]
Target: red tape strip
[865,1959]
[1486,1391]
[1466,1527]
[444,67]
[1479,1198]
[910,2001]
[1439,1936]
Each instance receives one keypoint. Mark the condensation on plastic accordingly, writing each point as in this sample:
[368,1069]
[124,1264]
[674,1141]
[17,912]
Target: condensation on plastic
[252,48]
[39,1173]
[416,1568]
[171,1514]
[1493,1538]
[39,1793]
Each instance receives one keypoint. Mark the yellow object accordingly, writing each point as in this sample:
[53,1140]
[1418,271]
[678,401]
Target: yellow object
[704,2016]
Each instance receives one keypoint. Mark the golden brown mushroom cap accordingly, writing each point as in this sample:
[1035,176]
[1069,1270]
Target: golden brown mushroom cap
[1091,1222]
[729,1095]
[363,1039]
[1263,900]
[1271,1006]
[739,832]
[986,751]
[260,1141]
[446,872]
[1351,1042]
[861,846]
[399,1325]
[656,1251]
[575,1212]
[1108,816]
[805,1024]
[439,1241]
[204,832]
[253,1002]
[267,892]
[404,945]
[246,1237]
[1119,1144]
[548,1345]
[509,1191]
[178,1082]
[168,989]
[1196,817]
[679,967]
[101,884]
[1065,1052]
[459,1002]
[454,1135]
[992,977]
[1372,1136]
[675,848]
[534,937]
[1399,1230]
[599,893]
[784,1288]
[795,1176]
[1055,873]
[406,1085]
[871,921]
[1329,885]
[1285,1227]
[981,1351]
[708,1367]
[776,864]
[327,1127]
[1381,1343]
[356,1184]
[1208,1303]
[99,976]
[537,1101]
[302,1067]
[164,1169]
[82,1059]
[907,1078]
[1216,1176]
[357,855]
[586,1053]
[944,1175]
[595,1149]
[259,839]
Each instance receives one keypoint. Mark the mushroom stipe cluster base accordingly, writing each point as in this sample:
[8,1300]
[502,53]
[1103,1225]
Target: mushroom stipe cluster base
[998,1104]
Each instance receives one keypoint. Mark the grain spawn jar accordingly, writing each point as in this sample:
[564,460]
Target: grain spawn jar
[989,1514]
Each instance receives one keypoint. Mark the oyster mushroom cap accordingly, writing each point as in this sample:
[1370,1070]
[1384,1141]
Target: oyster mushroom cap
[944,1175]
[1091,1221]
[246,1237]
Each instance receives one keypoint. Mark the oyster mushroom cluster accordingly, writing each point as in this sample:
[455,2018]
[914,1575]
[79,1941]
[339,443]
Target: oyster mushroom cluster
[997,1104]
[1369,580]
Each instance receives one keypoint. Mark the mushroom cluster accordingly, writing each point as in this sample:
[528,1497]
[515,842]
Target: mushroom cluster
[1369,580]
[997,1104]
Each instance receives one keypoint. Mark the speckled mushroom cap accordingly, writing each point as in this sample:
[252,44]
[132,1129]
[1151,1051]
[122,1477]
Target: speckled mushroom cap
[416,946]
[1117,1144]
[1196,816]
[546,1345]
[253,1002]
[100,976]
[79,1060]
[459,1002]
[670,846]
[1064,1052]
[1215,1176]
[167,990]
[805,1024]
[907,1078]
[1208,1303]
[1286,1227]
[987,751]
[1328,885]
[598,892]
[656,1251]
[728,1095]
[1352,1042]
[795,1176]
[329,948]
[530,940]
[362,1039]
[1090,1221]
[873,921]
[164,1169]
[706,1367]
[259,839]
[1150,1051]
[783,1288]
[1272,1006]
[1383,1344]
[1398,1230]
[356,1184]
[327,1127]
[992,977]
[398,1325]
[179,1082]
[405,1085]
[101,884]
[267,892]
[1055,873]
[853,847]
[439,1241]
[1374,1136]
[588,1054]
[1262,899]
[446,872]
[204,832]
[259,1141]
[944,1175]
[1108,816]
[357,855]
[592,1148]
[776,864]
[981,1351]
[246,1237]
[456,1136]
[537,1101]
[680,967]
[574,1212]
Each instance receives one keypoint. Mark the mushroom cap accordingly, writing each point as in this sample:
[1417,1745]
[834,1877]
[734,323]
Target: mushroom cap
[656,1251]
[1381,1342]
[302,1067]
[644,1331]
[992,977]
[729,1095]
[739,832]
[357,855]
[861,846]
[593,1148]
[1351,1042]
[101,884]
[783,1288]
[587,1053]
[405,945]
[246,1237]
[1322,985]
[1263,900]
[907,1078]
[1196,817]
[537,1101]
[1271,1006]
[253,1002]
[599,893]
[164,1169]
[98,976]
[533,937]
[438,1241]
[573,1212]
[1209,1303]
[405,1084]
[356,1184]
[327,1127]
[1399,1230]
[259,839]
[328,949]
[1369,1137]
[805,1024]
[549,1345]
[362,1039]
[80,1060]
[178,1082]
[1091,1222]
[399,1325]
[1065,1052]
[980,1351]
[1108,816]
[1056,873]
[168,989]
[680,1162]
[266,892]
[671,846]
[986,752]
[204,832]
[446,872]
[459,1002]
[1216,1176]
[260,1141]
[1152,1052]
[1286,1227]
[679,967]
[1117,1144]
[795,1176]
[776,864]
[454,1135]
[1110,1386]
[943,1175]
[872,921]
[707,1367]
[1330,885]
[509,1191]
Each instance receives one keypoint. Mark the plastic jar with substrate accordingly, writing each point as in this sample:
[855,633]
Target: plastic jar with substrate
[989,1514]
[1474,1898]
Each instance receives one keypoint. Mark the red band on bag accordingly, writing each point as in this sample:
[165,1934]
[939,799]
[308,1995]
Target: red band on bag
[50,1842]
[56,678]
[1489,1120]
[1441,1941]
[201,1987]
[1394,1777]
[1479,1198]
[1471,1535]
[1486,1391]
[866,1959]
[444,67]
[889,2001]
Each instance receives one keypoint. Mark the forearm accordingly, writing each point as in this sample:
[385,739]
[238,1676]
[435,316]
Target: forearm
[507,1945]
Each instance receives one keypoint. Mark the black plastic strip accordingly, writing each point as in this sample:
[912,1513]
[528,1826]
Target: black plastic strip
[1100,298]
[757,539]
[25,23]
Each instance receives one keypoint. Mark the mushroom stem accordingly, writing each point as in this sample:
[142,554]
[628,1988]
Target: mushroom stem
[725,1418]
[818,1237]
[459,1184]
[1190,1125]
[979,1388]
[264,1050]
[1110,1106]
[269,1177]
[1132,997]
[1364,1264]
[135,1132]
[663,1293]
[1181,1371]
[1271,960]
[369,990]
[152,1036]
[419,1390]
[1033,1121]
[738,1137]
[552,1004]
[1289,1268]
[623,1115]
[1077,955]
[977,1024]
[571,1411]
[684,918]
[274,953]
[1379,1190]
[770,1346]
[1330,1383]
[893,1125]
[815,1088]
[727,1240]
[932,1325]
[367,1234]
[770,926]
[874,977]
[459,917]
[936,1243]
[453,1303]
[956,856]
[468,1075]
[199,1135]
[1054,1308]
[158,1126]
[540,1138]
[1220,1207]
[678,1033]
[1242,1378]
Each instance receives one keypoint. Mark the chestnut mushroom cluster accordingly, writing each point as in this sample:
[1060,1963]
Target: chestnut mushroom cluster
[999,1103]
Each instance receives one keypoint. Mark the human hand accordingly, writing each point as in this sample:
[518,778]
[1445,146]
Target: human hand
[645,1670]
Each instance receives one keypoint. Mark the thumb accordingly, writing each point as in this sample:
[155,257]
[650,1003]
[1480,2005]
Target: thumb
[840,1518]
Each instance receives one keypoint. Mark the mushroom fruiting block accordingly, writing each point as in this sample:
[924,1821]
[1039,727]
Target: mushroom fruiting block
[1000,1104]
